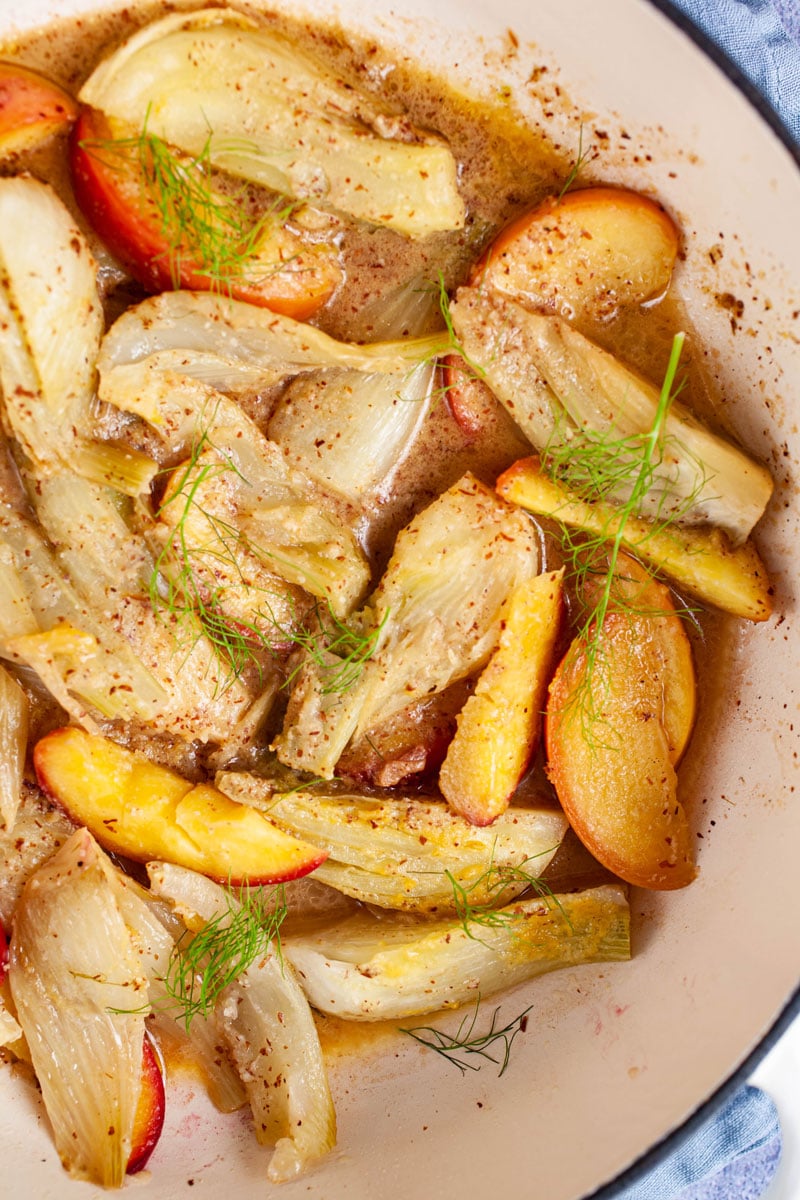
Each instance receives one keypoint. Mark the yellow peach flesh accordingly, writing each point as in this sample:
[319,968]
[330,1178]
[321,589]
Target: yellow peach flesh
[146,812]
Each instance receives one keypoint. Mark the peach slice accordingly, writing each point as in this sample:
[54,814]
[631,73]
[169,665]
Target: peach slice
[583,255]
[500,725]
[618,718]
[635,591]
[145,812]
[469,399]
[700,560]
[284,273]
[31,108]
[149,1119]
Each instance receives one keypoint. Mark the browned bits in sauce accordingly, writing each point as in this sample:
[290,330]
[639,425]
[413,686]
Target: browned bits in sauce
[504,169]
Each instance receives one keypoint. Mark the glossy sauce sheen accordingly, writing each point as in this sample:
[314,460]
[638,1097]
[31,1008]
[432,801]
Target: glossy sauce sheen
[504,170]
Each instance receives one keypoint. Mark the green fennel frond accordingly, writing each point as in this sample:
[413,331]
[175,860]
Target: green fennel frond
[213,231]
[479,904]
[466,1048]
[583,156]
[338,650]
[204,964]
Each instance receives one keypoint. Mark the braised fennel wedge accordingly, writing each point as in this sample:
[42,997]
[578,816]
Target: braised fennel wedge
[233,347]
[38,831]
[76,604]
[52,323]
[436,618]
[267,1024]
[368,970]
[46,624]
[100,641]
[80,997]
[159,936]
[269,113]
[407,852]
[352,430]
[555,382]
[235,499]
[347,418]
[14,706]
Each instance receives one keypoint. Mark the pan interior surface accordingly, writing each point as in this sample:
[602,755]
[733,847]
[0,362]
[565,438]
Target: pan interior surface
[613,1059]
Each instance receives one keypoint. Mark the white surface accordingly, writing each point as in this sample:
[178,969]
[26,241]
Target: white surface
[779,1075]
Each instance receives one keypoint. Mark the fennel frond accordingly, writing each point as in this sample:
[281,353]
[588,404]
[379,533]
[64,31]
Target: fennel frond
[466,1045]
[338,650]
[582,157]
[215,230]
[493,886]
[200,969]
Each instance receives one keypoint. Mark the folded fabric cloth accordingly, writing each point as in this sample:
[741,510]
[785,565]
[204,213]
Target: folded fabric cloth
[731,1156]
[762,37]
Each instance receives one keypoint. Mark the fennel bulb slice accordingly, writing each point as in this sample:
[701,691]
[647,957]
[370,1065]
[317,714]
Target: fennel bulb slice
[76,980]
[406,852]
[13,746]
[352,430]
[39,829]
[238,497]
[556,383]
[233,346]
[215,81]
[99,648]
[157,931]
[51,321]
[267,1024]
[76,654]
[433,619]
[369,970]
[93,542]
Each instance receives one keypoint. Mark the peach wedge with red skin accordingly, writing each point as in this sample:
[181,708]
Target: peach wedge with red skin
[617,722]
[32,108]
[150,1111]
[583,255]
[500,725]
[144,811]
[472,404]
[284,275]
[635,590]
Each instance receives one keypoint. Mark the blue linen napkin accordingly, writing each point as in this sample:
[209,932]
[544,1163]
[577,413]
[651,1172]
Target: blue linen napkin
[762,37]
[734,1154]
[731,1156]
